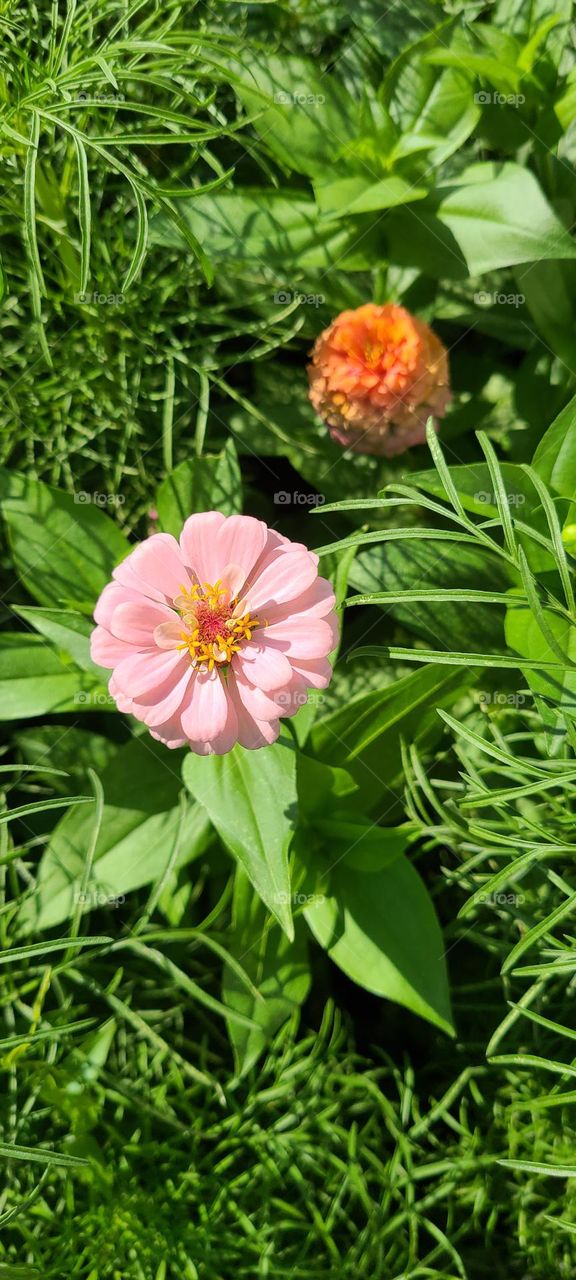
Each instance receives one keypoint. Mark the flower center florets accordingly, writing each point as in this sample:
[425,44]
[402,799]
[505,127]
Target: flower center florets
[214,625]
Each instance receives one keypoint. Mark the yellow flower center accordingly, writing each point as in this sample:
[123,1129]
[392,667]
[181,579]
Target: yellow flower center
[214,629]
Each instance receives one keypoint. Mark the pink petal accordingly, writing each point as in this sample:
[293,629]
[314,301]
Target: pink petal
[224,741]
[169,635]
[159,563]
[276,545]
[169,733]
[316,674]
[154,568]
[318,601]
[125,575]
[113,595]
[285,579]
[257,703]
[252,733]
[106,650]
[263,666]
[136,622]
[167,701]
[240,541]
[122,702]
[198,545]
[142,672]
[301,637]
[206,713]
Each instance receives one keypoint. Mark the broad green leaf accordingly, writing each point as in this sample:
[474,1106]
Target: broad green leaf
[555,693]
[494,70]
[339,197]
[139,827]
[305,117]
[565,105]
[358,843]
[250,797]
[525,20]
[433,110]
[476,491]
[549,289]
[381,929]
[492,215]
[210,483]
[66,630]
[278,968]
[364,736]
[555,457]
[321,787]
[72,750]
[64,546]
[271,231]
[399,566]
[34,680]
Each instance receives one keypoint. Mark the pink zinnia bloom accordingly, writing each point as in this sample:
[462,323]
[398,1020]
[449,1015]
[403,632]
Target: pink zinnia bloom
[213,638]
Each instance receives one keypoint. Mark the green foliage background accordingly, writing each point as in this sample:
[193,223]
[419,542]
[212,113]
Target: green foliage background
[190,192]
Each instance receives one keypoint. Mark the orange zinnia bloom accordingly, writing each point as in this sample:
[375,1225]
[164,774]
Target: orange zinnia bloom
[377,374]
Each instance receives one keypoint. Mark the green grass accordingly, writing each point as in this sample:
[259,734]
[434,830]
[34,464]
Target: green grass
[363,1145]
[324,1164]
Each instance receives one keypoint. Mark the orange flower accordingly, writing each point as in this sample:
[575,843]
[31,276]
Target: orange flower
[377,375]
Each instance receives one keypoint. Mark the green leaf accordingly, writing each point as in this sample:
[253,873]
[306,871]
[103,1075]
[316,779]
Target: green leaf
[434,111]
[34,681]
[41,1155]
[554,691]
[271,231]
[66,630]
[278,968]
[339,197]
[211,483]
[304,116]
[400,566]
[525,21]
[320,786]
[64,546]
[555,457]
[139,826]
[381,929]
[365,735]
[74,751]
[549,289]
[250,796]
[358,843]
[493,215]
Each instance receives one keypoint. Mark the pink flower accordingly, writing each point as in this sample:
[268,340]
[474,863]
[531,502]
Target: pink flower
[213,638]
